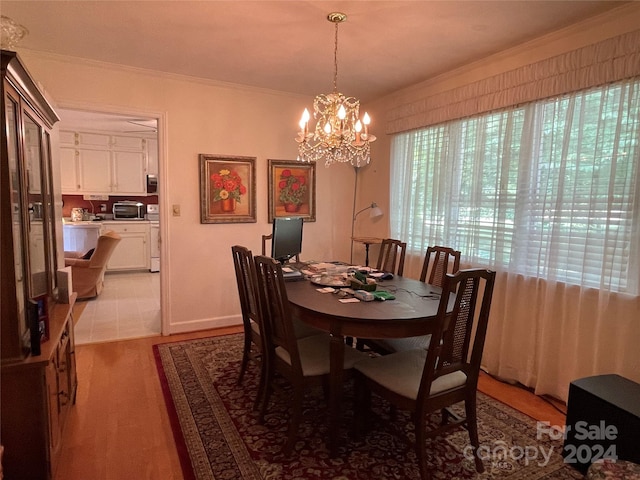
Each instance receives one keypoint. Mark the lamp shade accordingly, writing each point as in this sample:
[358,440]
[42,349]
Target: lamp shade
[375,212]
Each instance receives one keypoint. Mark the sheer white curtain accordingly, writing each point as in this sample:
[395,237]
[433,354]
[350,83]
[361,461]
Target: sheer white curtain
[547,194]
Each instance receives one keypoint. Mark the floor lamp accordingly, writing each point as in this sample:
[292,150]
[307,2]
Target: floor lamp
[375,212]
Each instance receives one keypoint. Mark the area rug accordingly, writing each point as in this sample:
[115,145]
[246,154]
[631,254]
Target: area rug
[218,435]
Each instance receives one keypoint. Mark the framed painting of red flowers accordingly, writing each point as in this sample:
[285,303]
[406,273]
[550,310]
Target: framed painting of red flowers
[227,189]
[292,189]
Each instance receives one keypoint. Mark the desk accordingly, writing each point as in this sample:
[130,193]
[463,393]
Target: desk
[403,317]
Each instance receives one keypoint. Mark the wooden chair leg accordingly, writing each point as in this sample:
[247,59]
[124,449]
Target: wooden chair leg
[261,384]
[420,422]
[245,356]
[444,415]
[266,393]
[294,421]
[472,427]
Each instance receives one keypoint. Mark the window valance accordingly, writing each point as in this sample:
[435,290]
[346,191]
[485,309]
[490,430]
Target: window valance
[604,62]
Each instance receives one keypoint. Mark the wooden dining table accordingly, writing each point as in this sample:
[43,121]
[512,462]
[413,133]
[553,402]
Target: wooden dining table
[415,303]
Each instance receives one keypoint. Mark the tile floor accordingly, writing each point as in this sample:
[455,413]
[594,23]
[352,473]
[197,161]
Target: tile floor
[128,307]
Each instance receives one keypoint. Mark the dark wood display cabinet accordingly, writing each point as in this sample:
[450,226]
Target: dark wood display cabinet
[38,374]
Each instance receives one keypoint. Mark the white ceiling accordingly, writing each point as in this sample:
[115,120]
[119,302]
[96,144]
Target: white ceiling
[288,45]
[107,122]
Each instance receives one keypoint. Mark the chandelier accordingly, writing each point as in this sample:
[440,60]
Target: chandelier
[339,134]
[10,32]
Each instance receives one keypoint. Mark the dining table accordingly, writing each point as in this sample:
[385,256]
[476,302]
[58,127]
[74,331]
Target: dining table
[415,303]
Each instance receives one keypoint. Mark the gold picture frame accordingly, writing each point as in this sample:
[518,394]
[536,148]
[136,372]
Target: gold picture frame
[227,189]
[292,189]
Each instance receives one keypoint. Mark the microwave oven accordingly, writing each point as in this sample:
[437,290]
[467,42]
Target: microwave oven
[152,184]
[128,210]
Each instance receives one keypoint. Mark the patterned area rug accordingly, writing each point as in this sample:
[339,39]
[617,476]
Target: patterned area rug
[218,435]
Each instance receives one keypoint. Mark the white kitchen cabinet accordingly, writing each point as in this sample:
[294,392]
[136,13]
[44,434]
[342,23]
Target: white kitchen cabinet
[132,252]
[94,171]
[84,139]
[69,182]
[103,164]
[67,138]
[102,172]
[129,173]
[130,143]
[85,171]
[154,247]
[99,140]
[152,157]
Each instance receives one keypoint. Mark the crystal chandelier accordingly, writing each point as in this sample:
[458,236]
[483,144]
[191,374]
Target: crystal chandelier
[10,32]
[339,135]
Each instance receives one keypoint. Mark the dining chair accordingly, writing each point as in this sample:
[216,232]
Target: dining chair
[438,261]
[391,257]
[250,308]
[303,362]
[426,381]
[252,316]
[265,238]
[390,260]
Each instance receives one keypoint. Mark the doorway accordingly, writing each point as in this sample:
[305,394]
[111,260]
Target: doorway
[130,304]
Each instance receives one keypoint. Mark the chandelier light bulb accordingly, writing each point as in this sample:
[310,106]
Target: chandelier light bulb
[358,126]
[305,116]
[304,120]
[327,128]
[342,112]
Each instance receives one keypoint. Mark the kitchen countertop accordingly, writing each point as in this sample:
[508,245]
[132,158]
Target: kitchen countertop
[84,223]
[124,221]
[97,223]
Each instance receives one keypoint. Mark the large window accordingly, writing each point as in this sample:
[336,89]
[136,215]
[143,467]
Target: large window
[550,189]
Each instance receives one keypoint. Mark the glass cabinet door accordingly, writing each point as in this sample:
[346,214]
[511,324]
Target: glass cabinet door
[15,184]
[49,217]
[35,202]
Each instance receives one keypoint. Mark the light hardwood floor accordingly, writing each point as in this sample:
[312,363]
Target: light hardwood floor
[119,428]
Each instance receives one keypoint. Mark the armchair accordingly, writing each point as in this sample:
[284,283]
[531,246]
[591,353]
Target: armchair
[88,274]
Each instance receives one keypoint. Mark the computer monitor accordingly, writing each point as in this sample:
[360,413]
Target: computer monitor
[287,238]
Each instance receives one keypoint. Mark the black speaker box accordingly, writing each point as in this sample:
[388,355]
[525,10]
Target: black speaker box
[603,420]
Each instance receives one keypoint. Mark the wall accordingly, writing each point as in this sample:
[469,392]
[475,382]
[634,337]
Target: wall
[196,116]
